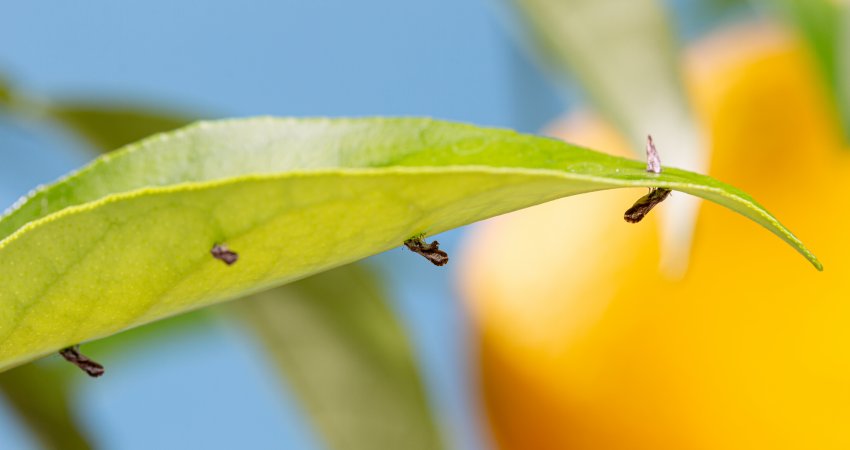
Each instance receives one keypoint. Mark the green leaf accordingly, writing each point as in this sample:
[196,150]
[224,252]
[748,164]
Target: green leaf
[373,398]
[340,346]
[127,240]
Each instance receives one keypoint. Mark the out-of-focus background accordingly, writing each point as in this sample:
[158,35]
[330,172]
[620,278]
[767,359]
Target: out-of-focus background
[74,73]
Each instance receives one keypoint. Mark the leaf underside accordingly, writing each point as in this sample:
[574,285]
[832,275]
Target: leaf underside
[127,239]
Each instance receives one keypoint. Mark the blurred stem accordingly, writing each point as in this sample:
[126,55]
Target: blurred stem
[111,127]
[106,126]
[5,92]
[347,358]
[41,397]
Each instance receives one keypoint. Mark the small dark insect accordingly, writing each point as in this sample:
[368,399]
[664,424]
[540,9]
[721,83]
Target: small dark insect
[431,251]
[72,355]
[224,254]
[644,205]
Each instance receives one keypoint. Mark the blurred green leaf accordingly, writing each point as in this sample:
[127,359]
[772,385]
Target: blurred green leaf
[625,57]
[109,127]
[41,395]
[5,92]
[349,361]
[105,125]
[824,26]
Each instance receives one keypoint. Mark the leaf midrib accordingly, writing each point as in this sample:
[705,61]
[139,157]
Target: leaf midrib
[663,180]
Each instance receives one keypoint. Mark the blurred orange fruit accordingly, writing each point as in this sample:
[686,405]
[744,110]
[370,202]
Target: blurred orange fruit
[583,344]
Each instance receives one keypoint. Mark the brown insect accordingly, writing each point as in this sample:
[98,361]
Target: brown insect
[431,251]
[72,355]
[224,254]
[644,205]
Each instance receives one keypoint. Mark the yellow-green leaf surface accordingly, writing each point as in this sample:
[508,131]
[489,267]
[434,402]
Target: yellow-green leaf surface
[127,239]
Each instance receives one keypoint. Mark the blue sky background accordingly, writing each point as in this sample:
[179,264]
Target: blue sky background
[444,58]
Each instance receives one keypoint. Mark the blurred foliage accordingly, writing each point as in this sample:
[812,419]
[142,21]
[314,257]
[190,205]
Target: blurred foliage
[349,361]
[109,127]
[5,92]
[823,24]
[720,5]
[717,8]
[41,394]
[624,55]
[705,15]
